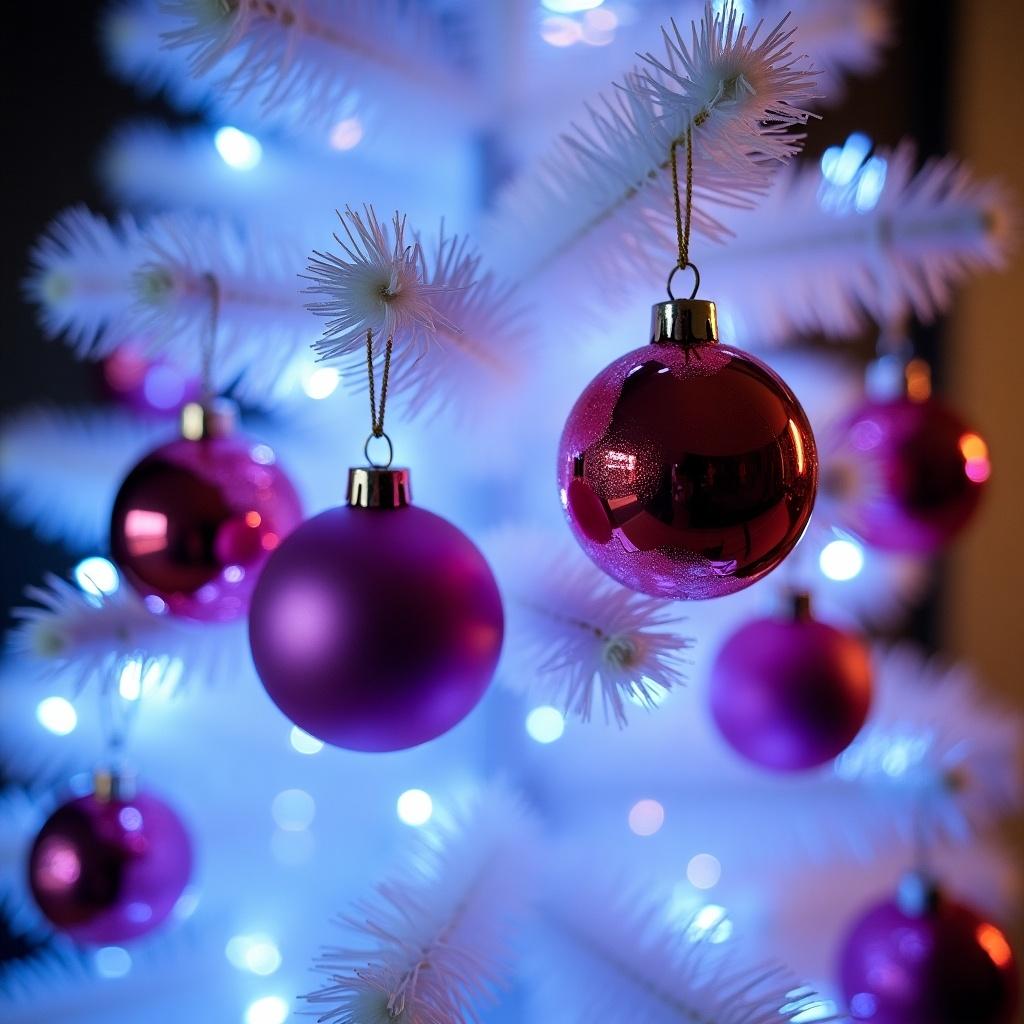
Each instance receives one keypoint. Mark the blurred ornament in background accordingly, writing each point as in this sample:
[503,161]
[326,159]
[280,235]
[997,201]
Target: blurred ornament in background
[790,693]
[152,387]
[907,473]
[378,625]
[110,866]
[924,958]
[196,518]
[687,469]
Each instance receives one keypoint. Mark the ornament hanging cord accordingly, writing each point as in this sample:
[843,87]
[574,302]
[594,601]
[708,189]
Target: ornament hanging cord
[684,212]
[377,415]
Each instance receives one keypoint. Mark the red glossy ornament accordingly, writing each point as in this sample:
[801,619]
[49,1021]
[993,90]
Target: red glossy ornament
[791,693]
[195,520]
[687,468]
[920,473]
[376,626]
[923,958]
[110,866]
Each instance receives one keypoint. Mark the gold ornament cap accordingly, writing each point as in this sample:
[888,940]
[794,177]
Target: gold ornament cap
[110,784]
[377,487]
[212,418]
[684,322]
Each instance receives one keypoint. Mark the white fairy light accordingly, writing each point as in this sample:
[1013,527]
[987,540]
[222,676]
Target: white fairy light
[97,575]
[302,742]
[238,149]
[841,559]
[545,724]
[267,1010]
[57,715]
[415,807]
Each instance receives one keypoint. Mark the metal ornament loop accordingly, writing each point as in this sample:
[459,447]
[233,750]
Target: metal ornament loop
[391,451]
[696,279]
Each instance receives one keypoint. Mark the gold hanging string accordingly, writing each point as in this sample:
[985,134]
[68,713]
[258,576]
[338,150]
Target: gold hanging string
[209,342]
[684,209]
[377,414]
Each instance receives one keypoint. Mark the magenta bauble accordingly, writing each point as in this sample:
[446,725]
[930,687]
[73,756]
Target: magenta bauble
[687,469]
[195,520]
[110,870]
[940,964]
[915,473]
[376,628]
[790,693]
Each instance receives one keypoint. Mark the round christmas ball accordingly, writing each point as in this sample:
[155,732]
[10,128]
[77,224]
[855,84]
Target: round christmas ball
[376,626]
[687,468]
[195,520]
[922,472]
[110,869]
[942,963]
[790,693]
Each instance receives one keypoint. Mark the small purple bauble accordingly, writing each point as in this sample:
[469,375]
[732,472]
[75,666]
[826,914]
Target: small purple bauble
[110,870]
[376,628]
[944,965]
[147,386]
[687,469]
[923,471]
[195,520]
[790,693]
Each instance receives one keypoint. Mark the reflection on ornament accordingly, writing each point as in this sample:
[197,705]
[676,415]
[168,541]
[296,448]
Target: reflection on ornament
[687,468]
[195,520]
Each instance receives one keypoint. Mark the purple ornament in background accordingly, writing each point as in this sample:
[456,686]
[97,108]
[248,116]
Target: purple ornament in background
[376,628]
[151,387]
[110,870]
[687,469]
[791,693]
[937,964]
[195,520]
[916,474]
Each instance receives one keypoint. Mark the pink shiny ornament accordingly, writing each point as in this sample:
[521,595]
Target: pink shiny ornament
[376,628]
[938,964]
[791,693]
[921,473]
[195,520]
[110,870]
[687,469]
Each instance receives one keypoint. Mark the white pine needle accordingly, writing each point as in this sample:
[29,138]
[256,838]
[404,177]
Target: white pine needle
[590,202]
[843,37]
[936,759]
[619,956]
[385,282]
[578,639]
[433,945]
[302,61]
[89,639]
[801,265]
[60,469]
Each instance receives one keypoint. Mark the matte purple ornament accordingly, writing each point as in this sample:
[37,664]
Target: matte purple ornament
[687,469]
[195,520]
[921,473]
[376,628]
[943,965]
[110,870]
[791,693]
